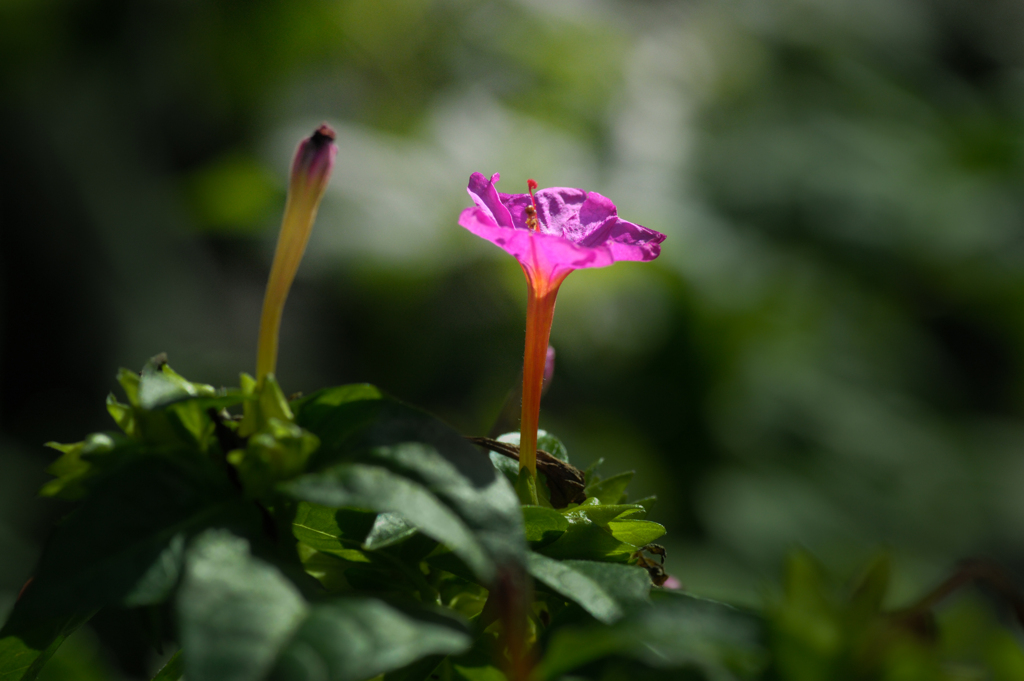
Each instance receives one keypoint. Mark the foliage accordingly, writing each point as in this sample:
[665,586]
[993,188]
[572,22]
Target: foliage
[369,538]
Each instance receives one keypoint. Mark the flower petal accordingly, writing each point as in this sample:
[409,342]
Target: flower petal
[628,241]
[545,255]
[597,217]
[558,210]
[577,229]
[484,195]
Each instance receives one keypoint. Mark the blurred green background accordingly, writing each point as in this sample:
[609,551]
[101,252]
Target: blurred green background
[828,352]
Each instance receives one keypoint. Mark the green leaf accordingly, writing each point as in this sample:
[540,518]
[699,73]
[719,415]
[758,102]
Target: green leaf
[420,670]
[591,475]
[588,541]
[636,532]
[373,487]
[543,525]
[610,490]
[508,467]
[159,385]
[124,543]
[479,663]
[336,415]
[173,670]
[646,502]
[322,403]
[327,569]
[80,463]
[235,612]
[869,595]
[164,408]
[388,529]
[357,424]
[356,639]
[602,514]
[456,472]
[552,445]
[278,451]
[545,441]
[605,590]
[678,631]
[26,644]
[809,626]
[338,532]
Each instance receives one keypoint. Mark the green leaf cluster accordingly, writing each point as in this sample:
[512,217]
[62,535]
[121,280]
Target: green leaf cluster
[342,535]
[346,536]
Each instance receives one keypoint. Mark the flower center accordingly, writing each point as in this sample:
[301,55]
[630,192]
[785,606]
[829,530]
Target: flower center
[531,210]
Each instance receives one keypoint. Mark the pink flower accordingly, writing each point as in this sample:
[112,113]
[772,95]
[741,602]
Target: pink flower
[575,229]
[551,233]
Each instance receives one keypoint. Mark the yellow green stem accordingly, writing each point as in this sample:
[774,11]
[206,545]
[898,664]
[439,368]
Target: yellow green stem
[299,214]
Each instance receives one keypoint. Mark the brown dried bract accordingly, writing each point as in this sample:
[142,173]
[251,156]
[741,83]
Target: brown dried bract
[565,481]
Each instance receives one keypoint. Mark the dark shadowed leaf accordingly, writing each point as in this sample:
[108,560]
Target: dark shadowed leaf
[124,543]
[235,612]
[678,631]
[27,644]
[80,463]
[357,639]
[173,670]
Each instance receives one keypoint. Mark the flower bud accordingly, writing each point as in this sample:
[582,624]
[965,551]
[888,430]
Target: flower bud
[314,160]
[311,170]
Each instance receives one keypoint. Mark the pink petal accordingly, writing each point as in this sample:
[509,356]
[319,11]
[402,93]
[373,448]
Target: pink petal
[544,254]
[672,583]
[597,217]
[483,193]
[577,229]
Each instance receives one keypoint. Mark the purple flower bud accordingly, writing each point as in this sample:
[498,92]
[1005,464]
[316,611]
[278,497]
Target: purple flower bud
[314,160]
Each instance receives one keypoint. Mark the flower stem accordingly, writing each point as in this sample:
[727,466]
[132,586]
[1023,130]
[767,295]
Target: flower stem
[540,311]
[291,245]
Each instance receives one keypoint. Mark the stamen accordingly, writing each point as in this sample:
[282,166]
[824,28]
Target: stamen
[531,210]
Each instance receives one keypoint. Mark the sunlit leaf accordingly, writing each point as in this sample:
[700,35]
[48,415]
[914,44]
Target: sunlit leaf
[388,529]
[610,490]
[543,525]
[605,590]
